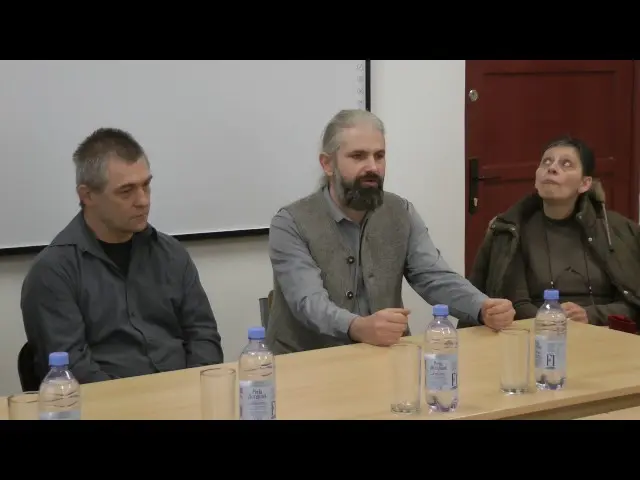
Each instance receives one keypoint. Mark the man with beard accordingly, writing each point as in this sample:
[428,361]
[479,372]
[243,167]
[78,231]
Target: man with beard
[340,254]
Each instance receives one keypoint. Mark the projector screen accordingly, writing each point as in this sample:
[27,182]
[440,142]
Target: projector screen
[229,142]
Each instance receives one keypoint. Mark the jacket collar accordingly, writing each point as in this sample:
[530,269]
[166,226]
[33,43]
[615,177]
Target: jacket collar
[590,208]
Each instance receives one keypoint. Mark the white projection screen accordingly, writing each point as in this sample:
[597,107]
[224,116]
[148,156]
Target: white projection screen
[229,141]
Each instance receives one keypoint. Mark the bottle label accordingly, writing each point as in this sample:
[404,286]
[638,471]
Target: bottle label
[441,371]
[257,400]
[65,415]
[550,353]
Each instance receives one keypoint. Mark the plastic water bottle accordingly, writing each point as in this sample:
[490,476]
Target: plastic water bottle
[257,379]
[441,362]
[59,396]
[551,343]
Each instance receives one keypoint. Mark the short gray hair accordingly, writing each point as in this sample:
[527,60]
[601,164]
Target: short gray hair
[92,155]
[344,119]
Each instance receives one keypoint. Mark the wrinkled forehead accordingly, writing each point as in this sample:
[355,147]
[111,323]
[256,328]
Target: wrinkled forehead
[363,138]
[122,173]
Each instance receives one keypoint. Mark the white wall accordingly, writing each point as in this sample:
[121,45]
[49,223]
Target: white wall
[422,104]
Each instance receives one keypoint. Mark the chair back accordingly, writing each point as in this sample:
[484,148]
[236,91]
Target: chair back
[265,307]
[29,379]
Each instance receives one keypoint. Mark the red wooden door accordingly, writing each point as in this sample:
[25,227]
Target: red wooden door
[519,106]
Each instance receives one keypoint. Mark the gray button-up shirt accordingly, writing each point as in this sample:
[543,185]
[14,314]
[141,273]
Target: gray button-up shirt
[426,271]
[156,318]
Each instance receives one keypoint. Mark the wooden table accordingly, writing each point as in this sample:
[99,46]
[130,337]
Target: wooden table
[632,413]
[354,382]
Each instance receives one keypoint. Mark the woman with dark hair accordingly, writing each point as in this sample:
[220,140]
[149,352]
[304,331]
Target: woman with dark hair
[562,237]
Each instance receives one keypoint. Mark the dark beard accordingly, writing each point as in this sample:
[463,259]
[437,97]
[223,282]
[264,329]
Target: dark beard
[363,198]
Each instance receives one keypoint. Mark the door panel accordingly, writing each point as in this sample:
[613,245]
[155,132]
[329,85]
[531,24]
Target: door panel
[523,104]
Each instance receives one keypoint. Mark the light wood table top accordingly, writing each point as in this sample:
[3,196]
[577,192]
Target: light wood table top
[354,382]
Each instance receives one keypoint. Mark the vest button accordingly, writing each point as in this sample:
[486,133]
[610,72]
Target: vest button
[349,294]
[350,259]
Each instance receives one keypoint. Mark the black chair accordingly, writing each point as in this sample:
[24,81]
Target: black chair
[29,379]
[265,308]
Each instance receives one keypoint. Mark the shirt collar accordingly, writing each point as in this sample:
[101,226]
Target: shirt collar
[334,210]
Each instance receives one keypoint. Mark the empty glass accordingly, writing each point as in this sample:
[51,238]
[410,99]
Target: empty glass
[406,371]
[515,349]
[23,406]
[218,393]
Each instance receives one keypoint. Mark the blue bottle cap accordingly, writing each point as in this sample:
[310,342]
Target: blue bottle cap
[441,310]
[58,359]
[551,295]
[256,333]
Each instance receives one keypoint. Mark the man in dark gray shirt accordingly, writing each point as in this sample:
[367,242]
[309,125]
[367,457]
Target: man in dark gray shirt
[120,297]
[339,256]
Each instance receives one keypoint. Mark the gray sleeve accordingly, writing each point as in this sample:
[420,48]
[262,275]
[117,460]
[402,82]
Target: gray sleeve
[53,321]
[431,277]
[300,279]
[203,344]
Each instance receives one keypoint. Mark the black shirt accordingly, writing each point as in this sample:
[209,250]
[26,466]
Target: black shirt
[118,253]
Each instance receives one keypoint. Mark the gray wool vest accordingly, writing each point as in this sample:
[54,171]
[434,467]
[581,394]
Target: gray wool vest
[383,256]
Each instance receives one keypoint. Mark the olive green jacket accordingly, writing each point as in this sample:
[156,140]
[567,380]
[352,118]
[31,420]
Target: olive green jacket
[612,238]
